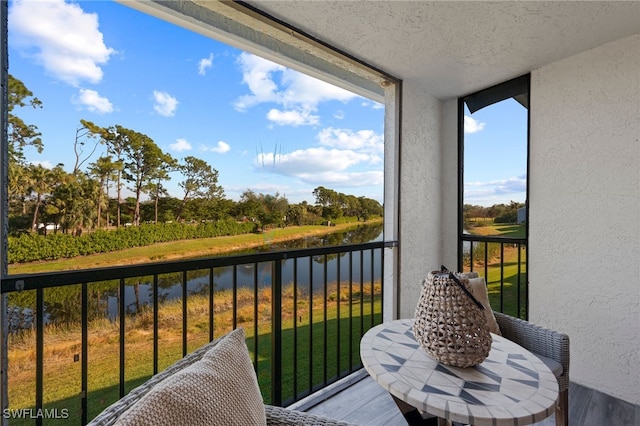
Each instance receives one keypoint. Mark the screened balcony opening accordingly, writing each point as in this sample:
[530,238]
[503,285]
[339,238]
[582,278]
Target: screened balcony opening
[169,217]
[493,228]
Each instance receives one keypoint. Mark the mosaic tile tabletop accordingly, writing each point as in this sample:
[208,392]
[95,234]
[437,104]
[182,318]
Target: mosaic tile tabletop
[511,386]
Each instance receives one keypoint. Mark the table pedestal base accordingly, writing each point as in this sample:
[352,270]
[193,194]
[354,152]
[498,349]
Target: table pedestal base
[414,417]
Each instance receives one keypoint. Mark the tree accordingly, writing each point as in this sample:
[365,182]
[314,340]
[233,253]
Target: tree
[201,180]
[144,161]
[274,209]
[42,183]
[19,183]
[154,186]
[368,208]
[325,197]
[249,205]
[115,139]
[265,209]
[296,214]
[352,206]
[84,135]
[74,200]
[20,134]
[510,213]
[104,169]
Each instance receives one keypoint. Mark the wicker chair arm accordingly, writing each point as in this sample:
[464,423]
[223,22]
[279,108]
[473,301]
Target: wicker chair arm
[539,340]
[282,416]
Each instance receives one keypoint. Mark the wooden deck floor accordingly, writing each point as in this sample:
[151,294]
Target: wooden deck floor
[368,404]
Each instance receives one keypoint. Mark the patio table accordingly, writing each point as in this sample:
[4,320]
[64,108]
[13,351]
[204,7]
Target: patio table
[511,386]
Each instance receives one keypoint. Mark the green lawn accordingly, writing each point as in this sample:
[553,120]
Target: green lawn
[502,230]
[323,350]
[503,293]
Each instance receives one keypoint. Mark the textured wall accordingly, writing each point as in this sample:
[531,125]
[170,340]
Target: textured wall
[449,189]
[420,192]
[584,203]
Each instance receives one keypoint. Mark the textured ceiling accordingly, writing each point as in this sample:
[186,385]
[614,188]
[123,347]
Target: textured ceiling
[454,48]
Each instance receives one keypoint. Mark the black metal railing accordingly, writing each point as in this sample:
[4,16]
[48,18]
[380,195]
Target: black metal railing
[80,340]
[503,263]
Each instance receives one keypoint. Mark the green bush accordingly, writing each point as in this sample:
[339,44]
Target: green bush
[34,247]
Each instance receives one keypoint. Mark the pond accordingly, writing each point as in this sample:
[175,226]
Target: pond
[61,304]
[307,271]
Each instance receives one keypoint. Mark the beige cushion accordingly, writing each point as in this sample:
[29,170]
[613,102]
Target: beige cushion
[219,389]
[479,290]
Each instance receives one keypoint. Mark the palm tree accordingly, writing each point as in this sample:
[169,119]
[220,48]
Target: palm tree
[42,182]
[19,183]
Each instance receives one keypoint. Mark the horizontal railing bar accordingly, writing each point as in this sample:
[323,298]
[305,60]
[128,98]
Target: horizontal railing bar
[13,283]
[493,239]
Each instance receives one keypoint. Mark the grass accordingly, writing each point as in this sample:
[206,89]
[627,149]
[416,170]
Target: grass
[503,230]
[181,249]
[316,328]
[316,323]
[502,274]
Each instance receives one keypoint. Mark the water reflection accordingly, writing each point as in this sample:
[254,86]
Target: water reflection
[61,304]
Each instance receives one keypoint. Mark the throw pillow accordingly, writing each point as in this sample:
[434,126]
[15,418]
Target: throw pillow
[479,290]
[221,388]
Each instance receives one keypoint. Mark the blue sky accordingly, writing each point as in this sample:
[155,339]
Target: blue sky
[495,154]
[262,126]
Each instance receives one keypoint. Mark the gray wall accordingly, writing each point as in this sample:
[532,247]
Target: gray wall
[584,198]
[420,192]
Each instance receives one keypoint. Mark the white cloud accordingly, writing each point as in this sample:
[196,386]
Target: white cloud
[46,164]
[256,74]
[344,157]
[362,140]
[292,118]
[221,147]
[310,161]
[471,125]
[298,94]
[61,37]
[496,191]
[339,115]
[165,104]
[298,88]
[353,179]
[204,64]
[180,145]
[93,101]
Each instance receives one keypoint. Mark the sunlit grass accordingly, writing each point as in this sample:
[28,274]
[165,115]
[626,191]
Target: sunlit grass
[62,348]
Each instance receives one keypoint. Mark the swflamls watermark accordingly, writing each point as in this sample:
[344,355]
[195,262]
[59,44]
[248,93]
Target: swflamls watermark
[32,413]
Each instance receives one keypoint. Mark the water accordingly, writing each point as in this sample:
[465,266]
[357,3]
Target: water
[61,304]
[308,272]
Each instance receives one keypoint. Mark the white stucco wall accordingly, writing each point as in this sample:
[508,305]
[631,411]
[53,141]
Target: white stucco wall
[420,193]
[449,189]
[584,247]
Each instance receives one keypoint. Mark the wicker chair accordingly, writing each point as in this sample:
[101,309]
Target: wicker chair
[547,343]
[275,415]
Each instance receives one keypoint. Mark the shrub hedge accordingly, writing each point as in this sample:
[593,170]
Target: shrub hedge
[34,247]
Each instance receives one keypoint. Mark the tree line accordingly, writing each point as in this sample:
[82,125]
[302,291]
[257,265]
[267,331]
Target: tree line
[80,200]
[498,213]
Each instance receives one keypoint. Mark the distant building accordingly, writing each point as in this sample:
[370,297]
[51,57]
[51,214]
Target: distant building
[522,215]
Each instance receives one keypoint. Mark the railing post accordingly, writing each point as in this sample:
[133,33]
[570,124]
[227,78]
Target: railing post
[4,203]
[121,314]
[39,351]
[276,334]
[84,387]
